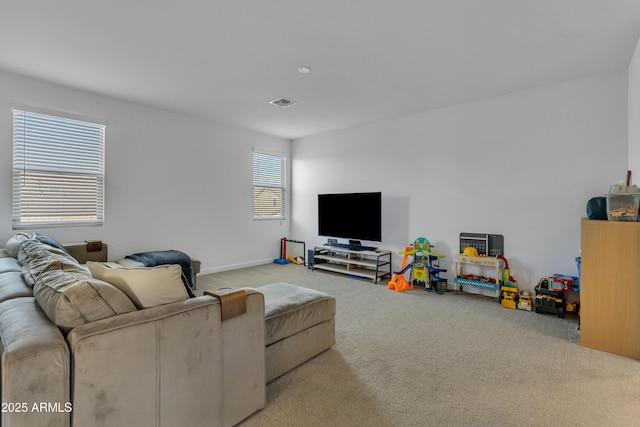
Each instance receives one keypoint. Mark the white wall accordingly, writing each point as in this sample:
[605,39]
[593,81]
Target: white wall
[634,116]
[522,165]
[172,182]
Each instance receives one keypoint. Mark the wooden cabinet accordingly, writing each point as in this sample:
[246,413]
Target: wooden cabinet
[610,287]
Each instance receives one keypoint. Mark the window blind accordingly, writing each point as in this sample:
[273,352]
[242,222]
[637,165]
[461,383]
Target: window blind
[58,171]
[268,185]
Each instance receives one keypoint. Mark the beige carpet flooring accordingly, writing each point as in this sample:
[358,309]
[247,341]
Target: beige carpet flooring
[420,359]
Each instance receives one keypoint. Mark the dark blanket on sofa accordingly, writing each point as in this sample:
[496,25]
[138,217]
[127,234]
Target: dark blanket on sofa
[155,258]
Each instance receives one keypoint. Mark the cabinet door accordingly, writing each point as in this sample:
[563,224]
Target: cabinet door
[610,287]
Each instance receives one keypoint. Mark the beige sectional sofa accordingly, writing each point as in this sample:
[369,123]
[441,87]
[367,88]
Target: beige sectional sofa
[76,351]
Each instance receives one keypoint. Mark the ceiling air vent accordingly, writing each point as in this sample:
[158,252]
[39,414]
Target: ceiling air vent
[283,102]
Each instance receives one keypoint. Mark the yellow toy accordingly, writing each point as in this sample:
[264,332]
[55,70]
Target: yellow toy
[524,303]
[509,296]
[470,251]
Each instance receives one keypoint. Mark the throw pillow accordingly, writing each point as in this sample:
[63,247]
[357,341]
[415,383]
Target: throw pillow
[146,286]
[71,299]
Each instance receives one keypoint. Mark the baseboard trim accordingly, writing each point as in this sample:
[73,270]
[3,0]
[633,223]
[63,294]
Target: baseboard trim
[234,266]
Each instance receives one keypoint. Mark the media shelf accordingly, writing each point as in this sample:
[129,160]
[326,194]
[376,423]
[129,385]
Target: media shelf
[372,265]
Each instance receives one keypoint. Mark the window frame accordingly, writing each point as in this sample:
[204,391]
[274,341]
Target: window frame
[265,180]
[50,149]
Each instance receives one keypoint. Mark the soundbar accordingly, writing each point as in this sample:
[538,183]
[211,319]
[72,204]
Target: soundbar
[353,247]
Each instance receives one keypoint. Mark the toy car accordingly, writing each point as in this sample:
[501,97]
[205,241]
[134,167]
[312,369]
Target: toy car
[549,300]
[524,302]
[562,282]
[509,297]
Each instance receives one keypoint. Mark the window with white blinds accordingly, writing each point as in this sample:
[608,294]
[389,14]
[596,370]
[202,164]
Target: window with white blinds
[58,171]
[268,185]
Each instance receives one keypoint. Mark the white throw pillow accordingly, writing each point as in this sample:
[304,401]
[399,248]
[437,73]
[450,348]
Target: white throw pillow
[146,286]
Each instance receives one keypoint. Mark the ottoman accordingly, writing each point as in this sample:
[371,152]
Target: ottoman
[299,324]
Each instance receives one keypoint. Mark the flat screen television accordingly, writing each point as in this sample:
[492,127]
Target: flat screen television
[355,216]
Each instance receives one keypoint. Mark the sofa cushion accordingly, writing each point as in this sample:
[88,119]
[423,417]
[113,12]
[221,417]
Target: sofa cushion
[9,264]
[290,309]
[12,286]
[11,283]
[71,299]
[146,286]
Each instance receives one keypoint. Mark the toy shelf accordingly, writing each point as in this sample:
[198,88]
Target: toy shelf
[460,280]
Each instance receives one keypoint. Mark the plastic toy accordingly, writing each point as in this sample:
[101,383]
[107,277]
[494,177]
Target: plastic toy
[398,282]
[509,295]
[419,271]
[563,282]
[551,294]
[423,270]
[284,259]
[548,300]
[573,307]
[470,251]
[283,253]
[297,260]
[524,302]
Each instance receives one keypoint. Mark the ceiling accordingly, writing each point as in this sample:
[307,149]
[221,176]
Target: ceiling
[370,59]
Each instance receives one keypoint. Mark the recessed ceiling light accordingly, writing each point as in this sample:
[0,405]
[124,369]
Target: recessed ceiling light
[304,70]
[283,102]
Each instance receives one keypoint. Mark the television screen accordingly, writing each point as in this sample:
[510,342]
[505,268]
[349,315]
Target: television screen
[350,216]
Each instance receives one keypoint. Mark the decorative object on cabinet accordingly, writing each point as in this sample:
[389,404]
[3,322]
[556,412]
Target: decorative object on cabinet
[623,202]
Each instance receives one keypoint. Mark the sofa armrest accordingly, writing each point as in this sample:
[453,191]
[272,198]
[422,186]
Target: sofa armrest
[35,367]
[88,251]
[205,371]
[244,361]
[155,367]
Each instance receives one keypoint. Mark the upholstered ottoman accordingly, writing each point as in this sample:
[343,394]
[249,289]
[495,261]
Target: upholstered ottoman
[300,323]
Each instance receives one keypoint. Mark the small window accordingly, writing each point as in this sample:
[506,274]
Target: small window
[58,171]
[268,185]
